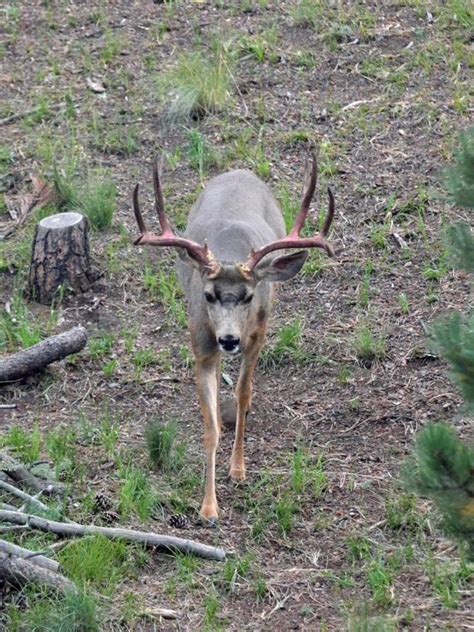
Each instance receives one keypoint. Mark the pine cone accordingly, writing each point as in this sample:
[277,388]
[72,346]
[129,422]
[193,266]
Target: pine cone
[102,502]
[110,516]
[178,521]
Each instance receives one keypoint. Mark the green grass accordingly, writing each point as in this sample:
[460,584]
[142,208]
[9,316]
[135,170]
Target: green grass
[212,605]
[75,612]
[380,580]
[119,138]
[198,85]
[359,548]
[288,346]
[113,45]
[403,303]
[163,285]
[98,202]
[19,328]
[364,287]
[200,153]
[164,451]
[307,473]
[101,345]
[96,562]
[401,513]
[449,580]
[136,495]
[94,197]
[61,448]
[26,445]
[262,47]
[367,344]
[109,433]
[234,568]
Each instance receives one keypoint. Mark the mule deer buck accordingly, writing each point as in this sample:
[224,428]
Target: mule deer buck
[228,280]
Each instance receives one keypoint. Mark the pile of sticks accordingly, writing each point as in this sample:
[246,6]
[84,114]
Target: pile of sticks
[20,566]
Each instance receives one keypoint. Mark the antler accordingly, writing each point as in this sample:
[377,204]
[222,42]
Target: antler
[199,253]
[293,239]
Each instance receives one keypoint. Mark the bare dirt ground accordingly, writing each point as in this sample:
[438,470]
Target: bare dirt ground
[383,89]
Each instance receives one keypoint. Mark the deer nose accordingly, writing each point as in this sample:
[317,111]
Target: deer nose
[229,343]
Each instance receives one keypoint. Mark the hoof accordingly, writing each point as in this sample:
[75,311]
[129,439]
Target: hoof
[237,473]
[208,515]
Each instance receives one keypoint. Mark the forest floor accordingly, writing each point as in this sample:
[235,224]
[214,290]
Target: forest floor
[324,535]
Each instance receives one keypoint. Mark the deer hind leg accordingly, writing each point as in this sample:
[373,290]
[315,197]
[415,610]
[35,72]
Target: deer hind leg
[244,399]
[207,386]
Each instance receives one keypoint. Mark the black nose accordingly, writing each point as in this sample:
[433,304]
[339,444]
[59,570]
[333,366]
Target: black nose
[229,343]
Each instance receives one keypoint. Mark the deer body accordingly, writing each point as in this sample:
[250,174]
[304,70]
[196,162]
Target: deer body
[229,291]
[235,213]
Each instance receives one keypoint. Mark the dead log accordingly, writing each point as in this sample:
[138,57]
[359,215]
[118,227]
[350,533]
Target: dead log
[31,556]
[60,258]
[164,542]
[31,360]
[15,472]
[20,572]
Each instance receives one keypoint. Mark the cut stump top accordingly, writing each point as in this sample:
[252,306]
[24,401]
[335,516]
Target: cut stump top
[61,220]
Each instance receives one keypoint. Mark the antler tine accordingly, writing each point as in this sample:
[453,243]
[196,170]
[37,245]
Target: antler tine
[293,239]
[330,215]
[159,203]
[199,253]
[310,182]
[138,214]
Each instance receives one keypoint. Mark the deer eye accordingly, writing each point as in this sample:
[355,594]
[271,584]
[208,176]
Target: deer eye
[209,297]
[248,298]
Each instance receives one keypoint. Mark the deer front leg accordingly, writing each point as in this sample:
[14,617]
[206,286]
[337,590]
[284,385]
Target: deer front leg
[244,399]
[207,386]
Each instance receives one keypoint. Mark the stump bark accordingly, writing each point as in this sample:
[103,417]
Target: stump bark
[60,257]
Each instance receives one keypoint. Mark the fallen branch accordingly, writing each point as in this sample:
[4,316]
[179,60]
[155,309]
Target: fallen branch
[165,542]
[31,556]
[31,360]
[14,491]
[20,572]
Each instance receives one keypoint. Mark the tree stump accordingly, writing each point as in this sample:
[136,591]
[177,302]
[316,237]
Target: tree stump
[60,257]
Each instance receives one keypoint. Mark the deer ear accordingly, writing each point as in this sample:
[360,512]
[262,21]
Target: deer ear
[282,268]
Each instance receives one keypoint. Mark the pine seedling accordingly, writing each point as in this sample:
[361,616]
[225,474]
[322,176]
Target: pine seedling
[442,469]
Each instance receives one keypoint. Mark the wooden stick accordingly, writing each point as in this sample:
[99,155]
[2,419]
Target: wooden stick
[21,572]
[165,542]
[14,491]
[31,360]
[166,613]
[31,556]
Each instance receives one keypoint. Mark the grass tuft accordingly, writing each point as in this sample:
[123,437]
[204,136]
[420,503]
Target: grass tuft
[95,198]
[163,450]
[198,85]
[95,561]
[75,612]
